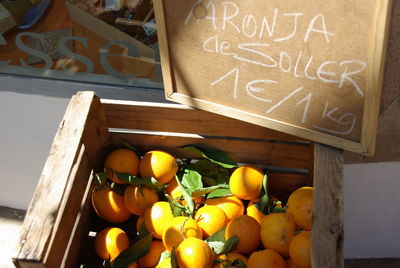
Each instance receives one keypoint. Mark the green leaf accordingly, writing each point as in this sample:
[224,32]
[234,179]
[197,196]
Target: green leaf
[165,255]
[264,199]
[217,156]
[129,146]
[133,253]
[190,207]
[219,193]
[177,208]
[206,190]
[212,173]
[218,243]
[117,188]
[174,263]
[217,236]
[101,179]
[191,179]
[143,232]
[148,182]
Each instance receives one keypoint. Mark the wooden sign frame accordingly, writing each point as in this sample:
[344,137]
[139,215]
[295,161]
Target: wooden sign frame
[370,112]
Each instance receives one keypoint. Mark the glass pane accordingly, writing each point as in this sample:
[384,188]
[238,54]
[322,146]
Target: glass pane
[103,41]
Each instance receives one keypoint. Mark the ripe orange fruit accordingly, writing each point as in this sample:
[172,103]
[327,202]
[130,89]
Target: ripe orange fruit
[121,161]
[179,229]
[294,198]
[157,217]
[153,256]
[302,212]
[158,164]
[247,230]
[231,205]
[254,212]
[166,263]
[109,205]
[137,199]
[110,242]
[246,182]
[133,265]
[300,249]
[210,219]
[193,253]
[266,258]
[291,264]
[277,230]
[229,258]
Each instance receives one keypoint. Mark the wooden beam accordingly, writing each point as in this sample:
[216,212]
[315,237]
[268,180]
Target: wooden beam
[327,232]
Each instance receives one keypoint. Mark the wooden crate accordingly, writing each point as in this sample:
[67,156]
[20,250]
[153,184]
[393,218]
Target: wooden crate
[58,220]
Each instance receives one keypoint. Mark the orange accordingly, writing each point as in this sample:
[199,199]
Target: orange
[110,242]
[229,258]
[179,229]
[133,265]
[121,161]
[291,264]
[302,212]
[109,205]
[246,182]
[300,249]
[166,263]
[137,199]
[153,256]
[210,219]
[294,198]
[158,164]
[254,212]
[277,230]
[157,217]
[247,230]
[231,205]
[266,258]
[194,253]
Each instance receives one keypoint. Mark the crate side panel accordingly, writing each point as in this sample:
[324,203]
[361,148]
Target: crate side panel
[79,235]
[180,118]
[327,215]
[69,209]
[242,151]
[39,222]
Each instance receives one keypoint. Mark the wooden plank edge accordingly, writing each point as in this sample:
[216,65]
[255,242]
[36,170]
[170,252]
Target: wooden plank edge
[377,56]
[327,215]
[163,46]
[35,232]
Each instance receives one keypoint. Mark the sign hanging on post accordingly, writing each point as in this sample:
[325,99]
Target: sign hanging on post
[310,69]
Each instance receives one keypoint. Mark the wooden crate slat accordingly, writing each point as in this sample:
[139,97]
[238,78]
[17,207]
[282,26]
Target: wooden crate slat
[41,215]
[70,205]
[80,230]
[327,215]
[245,151]
[179,118]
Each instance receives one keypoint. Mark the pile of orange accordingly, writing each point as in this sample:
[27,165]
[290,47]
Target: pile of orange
[274,240]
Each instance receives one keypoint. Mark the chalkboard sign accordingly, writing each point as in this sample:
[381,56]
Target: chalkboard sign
[312,69]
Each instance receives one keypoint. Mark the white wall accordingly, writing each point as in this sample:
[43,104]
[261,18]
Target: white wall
[29,123]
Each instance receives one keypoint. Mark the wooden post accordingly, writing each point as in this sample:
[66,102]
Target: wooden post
[327,234]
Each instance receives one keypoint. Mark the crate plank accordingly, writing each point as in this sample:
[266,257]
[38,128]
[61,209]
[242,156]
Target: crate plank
[242,151]
[39,228]
[180,118]
[327,229]
[70,205]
